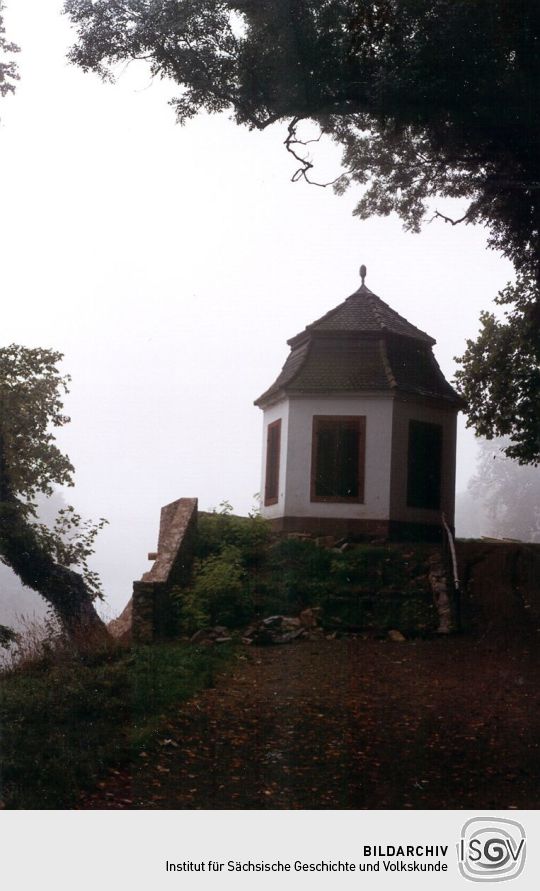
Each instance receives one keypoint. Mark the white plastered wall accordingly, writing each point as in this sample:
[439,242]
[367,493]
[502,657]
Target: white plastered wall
[378,413]
[417,409]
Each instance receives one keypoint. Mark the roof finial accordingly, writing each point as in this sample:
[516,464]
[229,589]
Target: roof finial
[363,272]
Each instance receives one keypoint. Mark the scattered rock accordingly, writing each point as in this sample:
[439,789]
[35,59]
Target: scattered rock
[208,636]
[310,617]
[272,621]
[280,629]
[289,636]
[439,586]
[395,635]
[325,541]
[200,635]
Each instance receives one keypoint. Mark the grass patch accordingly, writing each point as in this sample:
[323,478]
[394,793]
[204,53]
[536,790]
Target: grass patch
[63,724]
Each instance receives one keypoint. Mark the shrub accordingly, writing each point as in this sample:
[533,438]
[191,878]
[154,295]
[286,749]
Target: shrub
[244,573]
[222,529]
[190,613]
[221,588]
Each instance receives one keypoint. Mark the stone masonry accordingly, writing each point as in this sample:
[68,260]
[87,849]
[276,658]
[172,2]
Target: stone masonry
[152,607]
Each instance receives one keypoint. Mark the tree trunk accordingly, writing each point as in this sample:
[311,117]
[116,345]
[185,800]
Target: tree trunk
[64,589]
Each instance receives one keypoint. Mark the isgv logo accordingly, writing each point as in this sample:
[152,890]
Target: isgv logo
[491,849]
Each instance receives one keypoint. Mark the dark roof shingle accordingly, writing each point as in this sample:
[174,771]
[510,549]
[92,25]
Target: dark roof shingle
[361,345]
[416,370]
[333,364]
[364,313]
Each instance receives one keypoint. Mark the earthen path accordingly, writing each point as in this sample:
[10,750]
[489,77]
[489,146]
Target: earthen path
[449,723]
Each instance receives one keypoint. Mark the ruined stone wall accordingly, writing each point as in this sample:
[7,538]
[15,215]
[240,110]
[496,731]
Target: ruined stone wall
[152,608]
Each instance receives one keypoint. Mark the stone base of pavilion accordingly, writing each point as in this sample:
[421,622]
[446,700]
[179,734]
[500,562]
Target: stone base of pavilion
[358,529]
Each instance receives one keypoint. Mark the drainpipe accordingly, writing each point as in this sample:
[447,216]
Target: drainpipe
[457,589]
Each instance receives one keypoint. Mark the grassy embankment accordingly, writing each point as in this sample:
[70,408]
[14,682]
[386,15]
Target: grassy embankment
[243,572]
[66,719]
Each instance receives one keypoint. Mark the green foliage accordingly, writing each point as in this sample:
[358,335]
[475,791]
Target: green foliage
[365,587]
[241,573]
[378,588]
[221,588]
[222,528]
[65,721]
[500,375]
[71,542]
[8,68]
[229,549]
[297,575]
[368,567]
[31,464]
[409,613]
[31,392]
[429,99]
[190,613]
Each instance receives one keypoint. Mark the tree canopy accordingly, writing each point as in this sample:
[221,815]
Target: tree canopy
[31,393]
[429,99]
[8,67]
[500,373]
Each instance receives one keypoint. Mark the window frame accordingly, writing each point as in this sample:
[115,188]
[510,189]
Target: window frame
[359,421]
[273,497]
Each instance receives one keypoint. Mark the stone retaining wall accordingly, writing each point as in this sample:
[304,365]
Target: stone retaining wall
[152,614]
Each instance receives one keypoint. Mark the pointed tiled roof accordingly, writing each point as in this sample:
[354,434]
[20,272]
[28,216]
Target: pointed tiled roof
[361,345]
[364,313]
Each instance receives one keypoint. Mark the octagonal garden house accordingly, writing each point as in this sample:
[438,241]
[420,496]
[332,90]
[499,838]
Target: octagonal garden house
[360,428]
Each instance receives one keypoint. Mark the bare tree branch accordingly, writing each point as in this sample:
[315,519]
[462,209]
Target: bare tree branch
[307,165]
[464,219]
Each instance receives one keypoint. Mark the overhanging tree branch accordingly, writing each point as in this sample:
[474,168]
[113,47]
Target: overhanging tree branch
[441,216]
[307,165]
[418,120]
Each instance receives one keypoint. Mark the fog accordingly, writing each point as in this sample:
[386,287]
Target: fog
[170,265]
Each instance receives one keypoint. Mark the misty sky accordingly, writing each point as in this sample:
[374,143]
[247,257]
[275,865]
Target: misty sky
[170,264]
